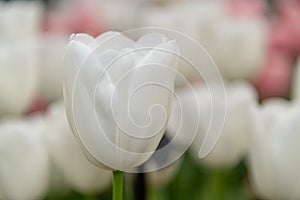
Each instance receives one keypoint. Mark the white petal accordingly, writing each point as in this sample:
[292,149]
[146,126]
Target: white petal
[19,158]
[151,40]
[232,142]
[66,152]
[147,105]
[18,76]
[84,39]
[113,40]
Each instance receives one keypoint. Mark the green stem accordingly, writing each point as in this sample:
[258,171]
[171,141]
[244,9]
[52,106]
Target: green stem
[219,185]
[117,185]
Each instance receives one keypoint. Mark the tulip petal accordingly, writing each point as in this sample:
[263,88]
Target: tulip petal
[22,152]
[151,40]
[84,39]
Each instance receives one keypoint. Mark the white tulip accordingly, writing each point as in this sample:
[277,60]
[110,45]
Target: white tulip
[127,13]
[18,76]
[20,20]
[196,19]
[239,47]
[24,163]
[78,172]
[118,112]
[233,140]
[50,59]
[274,154]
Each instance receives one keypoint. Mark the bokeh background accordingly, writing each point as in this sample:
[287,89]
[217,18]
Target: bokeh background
[254,43]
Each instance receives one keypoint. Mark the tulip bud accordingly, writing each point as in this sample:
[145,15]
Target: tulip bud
[232,142]
[24,166]
[20,20]
[51,67]
[273,155]
[18,76]
[118,95]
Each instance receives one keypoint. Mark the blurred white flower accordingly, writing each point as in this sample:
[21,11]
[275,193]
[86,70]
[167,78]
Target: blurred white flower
[18,76]
[24,163]
[50,61]
[57,183]
[237,45]
[127,13]
[112,86]
[233,140]
[20,20]
[196,19]
[20,27]
[274,159]
[79,173]
[1,195]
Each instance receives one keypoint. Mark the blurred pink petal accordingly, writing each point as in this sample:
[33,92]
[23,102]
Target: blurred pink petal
[274,81]
[286,28]
[81,17]
[246,8]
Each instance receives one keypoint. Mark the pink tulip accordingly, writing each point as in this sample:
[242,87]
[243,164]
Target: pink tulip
[246,8]
[286,27]
[274,81]
[81,17]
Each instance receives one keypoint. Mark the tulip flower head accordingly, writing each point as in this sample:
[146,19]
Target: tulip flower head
[233,144]
[230,144]
[24,166]
[20,20]
[18,76]
[273,154]
[51,51]
[118,95]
